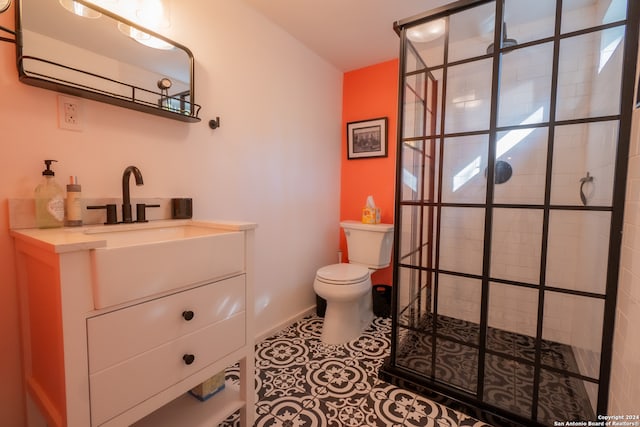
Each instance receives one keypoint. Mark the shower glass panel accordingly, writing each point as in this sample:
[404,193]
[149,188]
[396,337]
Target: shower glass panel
[408,249]
[512,144]
[577,250]
[580,336]
[539,25]
[578,14]
[461,232]
[517,238]
[470,32]
[456,363]
[427,44]
[468,97]
[577,343]
[412,170]
[412,62]
[590,74]
[513,314]
[415,252]
[525,151]
[417,303]
[525,86]
[508,384]
[459,308]
[580,149]
[414,108]
[464,165]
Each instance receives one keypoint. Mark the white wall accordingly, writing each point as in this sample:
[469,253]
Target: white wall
[275,159]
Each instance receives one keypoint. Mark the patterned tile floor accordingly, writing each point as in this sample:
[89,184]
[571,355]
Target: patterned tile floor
[301,382]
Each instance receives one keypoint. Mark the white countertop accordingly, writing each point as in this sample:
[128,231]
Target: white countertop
[70,239]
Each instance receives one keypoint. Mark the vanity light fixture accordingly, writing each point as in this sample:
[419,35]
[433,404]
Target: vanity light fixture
[143,38]
[151,14]
[80,9]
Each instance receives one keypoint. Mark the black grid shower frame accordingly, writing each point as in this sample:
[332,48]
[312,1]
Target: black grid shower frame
[429,100]
[616,209]
[420,93]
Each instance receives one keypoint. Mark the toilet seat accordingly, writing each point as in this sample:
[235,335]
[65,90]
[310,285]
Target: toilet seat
[342,274]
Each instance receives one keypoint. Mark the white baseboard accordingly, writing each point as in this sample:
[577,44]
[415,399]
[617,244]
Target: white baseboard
[271,331]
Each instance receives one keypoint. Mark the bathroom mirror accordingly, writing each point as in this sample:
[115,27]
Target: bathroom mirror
[99,56]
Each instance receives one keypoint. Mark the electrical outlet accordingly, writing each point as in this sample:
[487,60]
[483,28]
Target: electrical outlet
[69,113]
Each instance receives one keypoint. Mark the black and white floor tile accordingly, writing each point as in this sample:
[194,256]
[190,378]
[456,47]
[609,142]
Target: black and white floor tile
[301,382]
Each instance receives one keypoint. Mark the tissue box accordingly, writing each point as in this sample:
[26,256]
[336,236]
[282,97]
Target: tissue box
[208,388]
[371,215]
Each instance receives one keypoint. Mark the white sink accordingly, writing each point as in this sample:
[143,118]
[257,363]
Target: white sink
[143,260]
[130,235]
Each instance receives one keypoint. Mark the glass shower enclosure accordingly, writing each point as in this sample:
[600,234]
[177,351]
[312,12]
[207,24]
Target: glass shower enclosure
[514,130]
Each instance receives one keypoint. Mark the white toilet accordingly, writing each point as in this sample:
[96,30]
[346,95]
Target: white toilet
[347,287]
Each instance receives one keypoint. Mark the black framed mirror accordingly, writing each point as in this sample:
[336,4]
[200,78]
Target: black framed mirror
[79,48]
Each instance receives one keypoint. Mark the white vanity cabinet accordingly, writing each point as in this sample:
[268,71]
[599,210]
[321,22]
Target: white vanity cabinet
[131,363]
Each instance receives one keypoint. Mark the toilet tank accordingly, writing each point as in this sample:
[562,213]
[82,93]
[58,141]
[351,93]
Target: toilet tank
[368,244]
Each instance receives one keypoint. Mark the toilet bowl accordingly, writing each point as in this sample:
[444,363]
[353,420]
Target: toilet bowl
[347,290]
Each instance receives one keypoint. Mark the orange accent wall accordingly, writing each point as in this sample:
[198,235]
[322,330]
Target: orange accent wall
[369,93]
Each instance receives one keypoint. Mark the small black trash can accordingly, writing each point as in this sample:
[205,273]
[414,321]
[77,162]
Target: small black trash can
[321,306]
[382,300]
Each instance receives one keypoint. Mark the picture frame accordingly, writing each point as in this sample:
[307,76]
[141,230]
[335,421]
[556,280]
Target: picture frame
[367,138]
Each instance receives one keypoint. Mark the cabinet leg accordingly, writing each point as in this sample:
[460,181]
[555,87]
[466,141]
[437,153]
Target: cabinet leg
[247,391]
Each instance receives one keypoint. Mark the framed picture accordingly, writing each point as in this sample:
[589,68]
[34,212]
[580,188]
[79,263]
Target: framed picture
[367,138]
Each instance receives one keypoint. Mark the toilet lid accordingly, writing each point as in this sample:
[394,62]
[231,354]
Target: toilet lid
[340,274]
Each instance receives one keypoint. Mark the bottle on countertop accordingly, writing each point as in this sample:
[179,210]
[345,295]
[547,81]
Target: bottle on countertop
[73,205]
[49,197]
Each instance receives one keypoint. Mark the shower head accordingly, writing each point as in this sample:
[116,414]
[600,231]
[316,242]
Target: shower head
[506,42]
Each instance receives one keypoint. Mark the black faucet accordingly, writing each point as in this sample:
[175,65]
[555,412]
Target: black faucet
[126,198]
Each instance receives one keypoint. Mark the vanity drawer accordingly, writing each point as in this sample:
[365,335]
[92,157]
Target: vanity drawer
[119,388]
[124,273]
[119,335]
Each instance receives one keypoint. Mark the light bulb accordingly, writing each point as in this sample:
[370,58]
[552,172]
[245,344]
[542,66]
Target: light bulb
[144,38]
[80,9]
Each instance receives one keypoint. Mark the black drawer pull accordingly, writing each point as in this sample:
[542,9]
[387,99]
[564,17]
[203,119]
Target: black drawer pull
[188,359]
[188,315]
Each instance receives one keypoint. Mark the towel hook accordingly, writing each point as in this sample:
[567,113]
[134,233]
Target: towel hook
[214,124]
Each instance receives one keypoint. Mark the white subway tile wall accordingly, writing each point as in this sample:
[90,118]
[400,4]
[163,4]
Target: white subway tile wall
[624,393]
